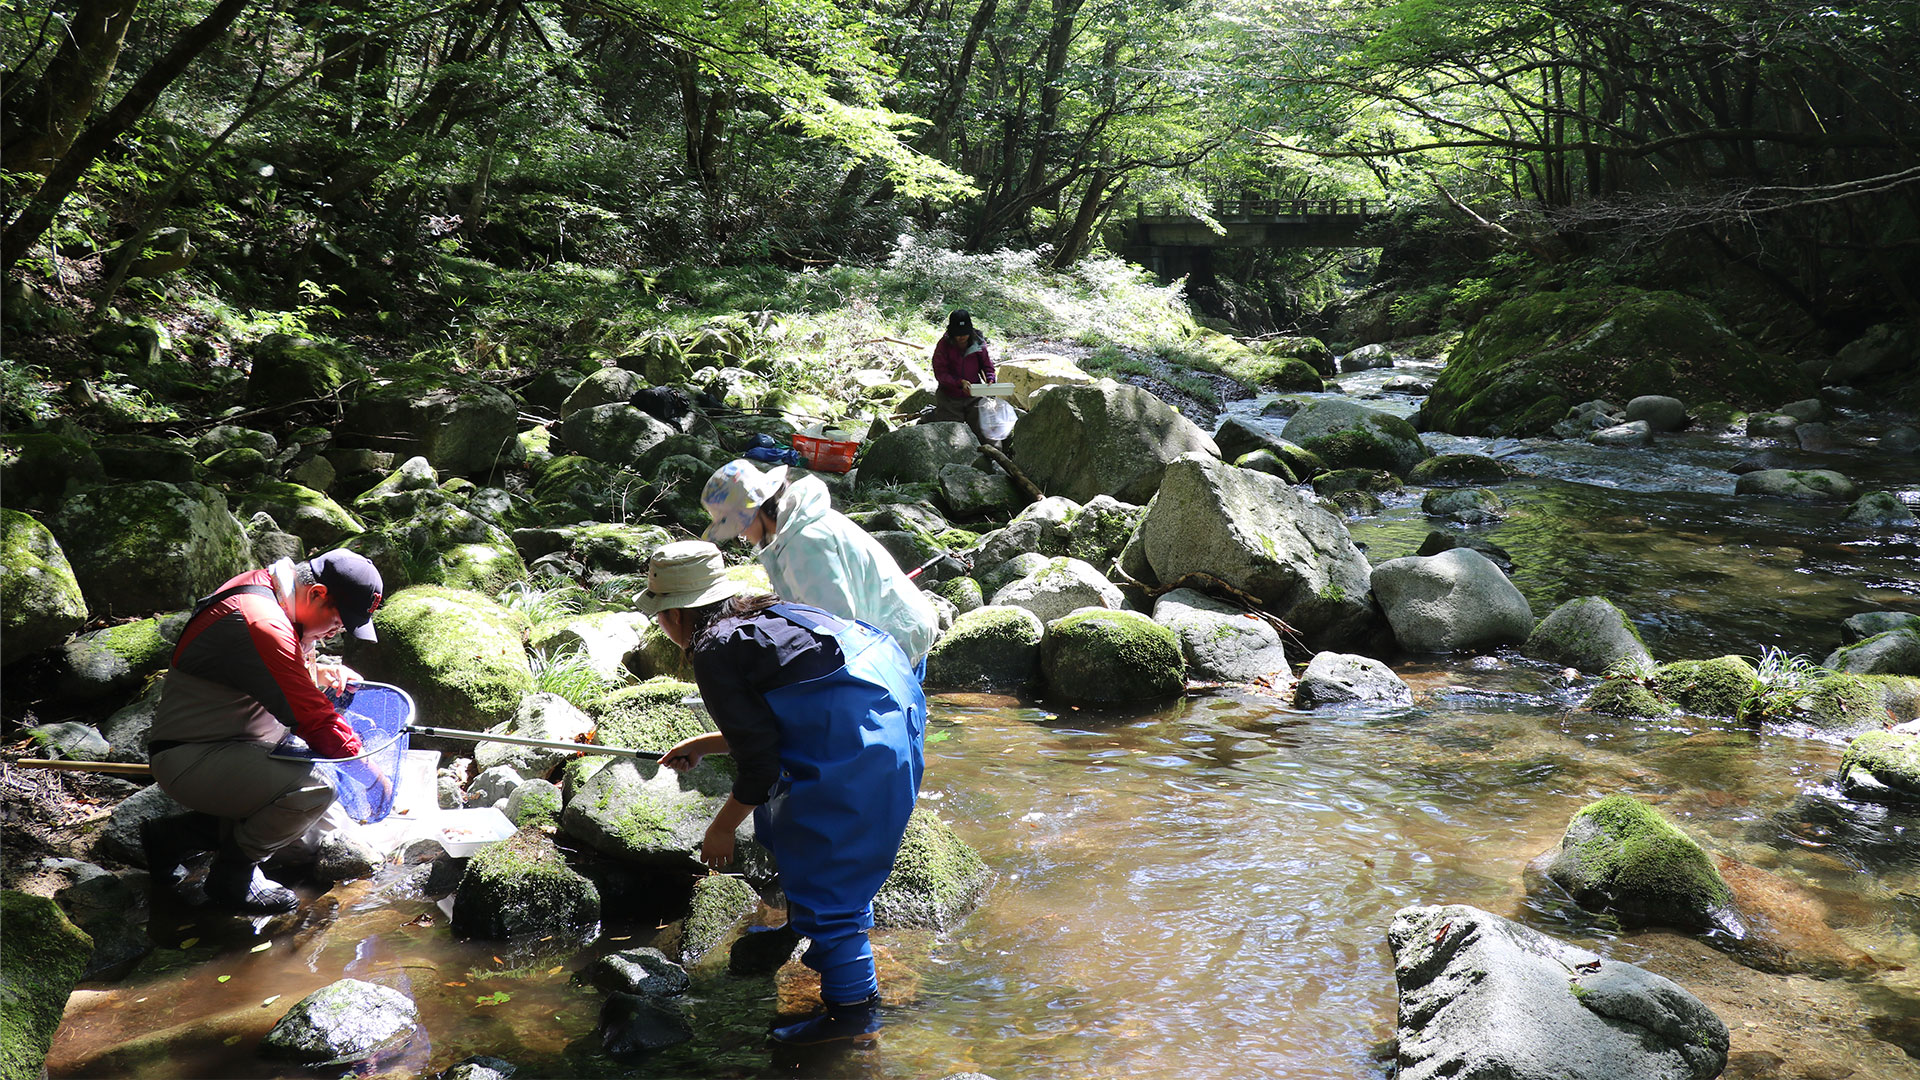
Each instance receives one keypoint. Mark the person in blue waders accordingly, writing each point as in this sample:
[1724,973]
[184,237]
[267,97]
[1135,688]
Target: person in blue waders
[825,719]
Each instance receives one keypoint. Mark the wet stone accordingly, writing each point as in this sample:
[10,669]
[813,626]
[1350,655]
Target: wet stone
[631,1024]
[646,972]
[350,1020]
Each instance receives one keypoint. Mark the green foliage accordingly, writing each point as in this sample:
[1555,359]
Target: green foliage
[1781,682]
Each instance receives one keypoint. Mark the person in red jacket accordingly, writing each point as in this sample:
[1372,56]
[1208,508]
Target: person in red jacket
[960,359]
[244,678]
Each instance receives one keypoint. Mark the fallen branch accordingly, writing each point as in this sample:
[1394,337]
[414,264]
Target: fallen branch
[1019,478]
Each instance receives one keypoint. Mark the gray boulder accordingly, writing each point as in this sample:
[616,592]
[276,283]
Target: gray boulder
[1883,350]
[121,838]
[970,493]
[493,786]
[1012,569]
[1100,529]
[1439,540]
[916,454]
[631,1024]
[1880,510]
[1660,413]
[1482,996]
[642,813]
[1259,535]
[1350,436]
[105,905]
[1872,623]
[40,470]
[117,536]
[1450,602]
[1104,439]
[646,972]
[540,716]
[126,729]
[1896,652]
[1224,643]
[40,600]
[1813,485]
[523,886]
[1042,528]
[479,1067]
[1059,588]
[1468,506]
[1346,679]
[720,903]
[1367,357]
[617,433]
[1634,433]
[962,594]
[71,740]
[317,520]
[604,638]
[288,369]
[466,428]
[410,488]
[988,648]
[535,802]
[346,1021]
[608,386]
[116,661]
[1111,657]
[1589,633]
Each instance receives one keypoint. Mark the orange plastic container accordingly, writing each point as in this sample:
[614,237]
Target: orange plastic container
[825,455]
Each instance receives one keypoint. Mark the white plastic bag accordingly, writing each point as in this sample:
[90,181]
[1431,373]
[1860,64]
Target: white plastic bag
[996,418]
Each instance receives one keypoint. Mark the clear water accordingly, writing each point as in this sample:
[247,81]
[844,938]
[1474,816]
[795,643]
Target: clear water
[1203,891]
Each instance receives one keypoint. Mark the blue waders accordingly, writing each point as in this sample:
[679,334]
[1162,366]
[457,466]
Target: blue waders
[850,766]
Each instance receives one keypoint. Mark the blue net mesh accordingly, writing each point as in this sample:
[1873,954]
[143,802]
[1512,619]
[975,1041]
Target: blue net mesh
[365,785]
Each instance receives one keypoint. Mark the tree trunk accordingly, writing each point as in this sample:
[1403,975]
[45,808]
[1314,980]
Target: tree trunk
[26,230]
[70,87]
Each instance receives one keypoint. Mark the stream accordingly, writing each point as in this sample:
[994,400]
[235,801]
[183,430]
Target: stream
[1203,890]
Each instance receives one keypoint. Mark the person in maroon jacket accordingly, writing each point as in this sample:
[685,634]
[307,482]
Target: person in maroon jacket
[244,678]
[960,359]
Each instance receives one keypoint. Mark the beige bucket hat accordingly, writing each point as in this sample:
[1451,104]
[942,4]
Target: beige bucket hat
[683,574]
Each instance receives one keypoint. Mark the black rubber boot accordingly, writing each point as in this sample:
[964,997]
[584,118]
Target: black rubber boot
[762,949]
[235,882]
[858,1021]
[170,841]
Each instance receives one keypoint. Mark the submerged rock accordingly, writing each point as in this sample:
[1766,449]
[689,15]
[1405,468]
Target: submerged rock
[646,972]
[523,886]
[1621,695]
[1108,657]
[1620,855]
[988,648]
[1588,633]
[1468,506]
[1484,997]
[937,878]
[1448,470]
[1454,601]
[480,1067]
[631,1024]
[43,959]
[1813,485]
[348,1021]
[1346,679]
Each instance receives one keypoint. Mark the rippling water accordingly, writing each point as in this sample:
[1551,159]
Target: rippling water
[1204,891]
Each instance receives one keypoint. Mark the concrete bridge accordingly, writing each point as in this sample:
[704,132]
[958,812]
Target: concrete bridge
[1172,242]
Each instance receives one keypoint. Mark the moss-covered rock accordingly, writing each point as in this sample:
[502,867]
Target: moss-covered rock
[522,885]
[145,457]
[599,547]
[40,600]
[481,568]
[1109,657]
[462,656]
[535,803]
[652,716]
[317,520]
[1266,461]
[40,470]
[1882,764]
[937,878]
[964,593]
[1880,510]
[288,368]
[719,902]
[1286,375]
[1621,855]
[1807,485]
[642,813]
[1310,350]
[1350,436]
[113,662]
[460,424]
[1845,703]
[989,648]
[1443,470]
[149,546]
[1375,481]
[1722,686]
[1469,506]
[1626,697]
[42,960]
[1589,633]
[1896,652]
[1520,368]
[348,1021]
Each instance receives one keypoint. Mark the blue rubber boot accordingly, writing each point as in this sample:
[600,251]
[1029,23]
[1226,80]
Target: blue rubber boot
[837,1023]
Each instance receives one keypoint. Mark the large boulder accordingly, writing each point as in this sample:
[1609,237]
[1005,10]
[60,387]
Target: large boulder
[1620,855]
[1451,602]
[970,493]
[347,1021]
[1485,997]
[601,549]
[40,600]
[916,454]
[523,886]
[1350,436]
[1660,412]
[466,428]
[1346,679]
[43,959]
[1520,368]
[1879,510]
[150,546]
[318,521]
[1588,633]
[1455,470]
[988,648]
[645,814]
[937,878]
[1098,531]
[1811,485]
[99,903]
[1896,652]
[1031,372]
[617,434]
[40,470]
[288,369]
[1886,349]
[1222,642]
[602,638]
[1259,535]
[1058,589]
[1103,439]
[461,655]
[608,386]
[116,660]
[1883,765]
[1111,657]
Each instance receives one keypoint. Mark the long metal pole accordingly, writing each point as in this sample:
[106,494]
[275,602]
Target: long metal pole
[549,744]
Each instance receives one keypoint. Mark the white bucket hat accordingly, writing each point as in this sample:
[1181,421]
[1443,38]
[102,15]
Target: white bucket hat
[733,495]
[684,574]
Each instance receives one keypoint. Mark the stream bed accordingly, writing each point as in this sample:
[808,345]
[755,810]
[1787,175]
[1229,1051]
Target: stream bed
[1203,890]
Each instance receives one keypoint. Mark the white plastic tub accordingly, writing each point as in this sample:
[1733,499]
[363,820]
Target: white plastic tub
[992,389]
[463,832]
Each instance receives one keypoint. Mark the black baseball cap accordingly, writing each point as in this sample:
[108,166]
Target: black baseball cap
[353,585]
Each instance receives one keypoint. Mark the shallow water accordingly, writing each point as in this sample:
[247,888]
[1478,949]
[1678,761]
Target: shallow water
[1204,890]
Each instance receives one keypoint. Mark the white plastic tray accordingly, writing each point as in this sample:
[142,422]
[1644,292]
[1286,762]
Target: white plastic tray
[463,832]
[992,389]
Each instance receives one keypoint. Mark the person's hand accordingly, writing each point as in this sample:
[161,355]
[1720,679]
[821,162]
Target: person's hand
[334,676]
[717,849]
[685,754]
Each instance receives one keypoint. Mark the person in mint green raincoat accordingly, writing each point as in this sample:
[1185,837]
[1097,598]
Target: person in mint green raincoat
[816,555]
[825,720]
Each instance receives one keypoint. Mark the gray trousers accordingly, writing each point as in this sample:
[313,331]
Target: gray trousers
[271,802]
[958,410]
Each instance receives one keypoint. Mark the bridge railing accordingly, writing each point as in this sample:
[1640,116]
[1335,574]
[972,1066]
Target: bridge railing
[1263,207]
